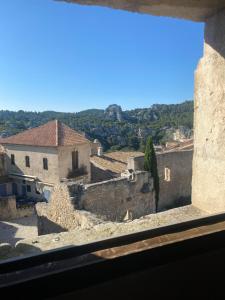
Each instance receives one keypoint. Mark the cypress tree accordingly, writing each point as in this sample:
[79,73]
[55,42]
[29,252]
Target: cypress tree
[150,165]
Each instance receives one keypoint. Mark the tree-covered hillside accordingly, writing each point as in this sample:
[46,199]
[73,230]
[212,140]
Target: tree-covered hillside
[116,129]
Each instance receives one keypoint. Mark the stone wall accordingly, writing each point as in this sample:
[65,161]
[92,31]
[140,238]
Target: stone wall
[175,188]
[9,211]
[2,165]
[116,198]
[177,191]
[61,213]
[74,206]
[208,191]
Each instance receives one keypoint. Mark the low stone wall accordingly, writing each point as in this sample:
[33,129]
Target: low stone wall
[9,211]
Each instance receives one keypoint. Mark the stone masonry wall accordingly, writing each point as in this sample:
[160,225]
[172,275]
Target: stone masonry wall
[61,213]
[9,211]
[208,188]
[74,207]
[175,190]
[115,198]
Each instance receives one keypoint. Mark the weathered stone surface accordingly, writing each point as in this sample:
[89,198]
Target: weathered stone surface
[208,185]
[196,10]
[108,230]
[177,190]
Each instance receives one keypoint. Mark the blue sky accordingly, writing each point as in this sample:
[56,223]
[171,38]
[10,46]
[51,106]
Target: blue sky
[64,57]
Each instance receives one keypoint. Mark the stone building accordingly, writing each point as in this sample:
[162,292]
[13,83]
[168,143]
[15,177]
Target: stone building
[174,169]
[74,206]
[41,157]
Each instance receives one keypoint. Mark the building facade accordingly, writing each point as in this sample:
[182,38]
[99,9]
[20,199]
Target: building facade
[39,158]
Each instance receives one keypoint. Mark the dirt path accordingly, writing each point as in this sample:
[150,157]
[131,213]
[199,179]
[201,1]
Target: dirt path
[18,229]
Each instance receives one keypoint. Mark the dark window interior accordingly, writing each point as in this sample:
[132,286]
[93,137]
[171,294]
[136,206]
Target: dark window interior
[28,188]
[45,163]
[27,161]
[12,159]
[75,160]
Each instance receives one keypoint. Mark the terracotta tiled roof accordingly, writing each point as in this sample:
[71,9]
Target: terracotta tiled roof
[123,156]
[51,134]
[187,145]
[115,162]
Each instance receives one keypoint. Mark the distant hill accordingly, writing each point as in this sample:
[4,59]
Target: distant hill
[116,129]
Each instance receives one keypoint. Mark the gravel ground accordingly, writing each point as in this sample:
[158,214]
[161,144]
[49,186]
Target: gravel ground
[15,230]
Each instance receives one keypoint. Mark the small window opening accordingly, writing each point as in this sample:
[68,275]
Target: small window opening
[45,163]
[167,174]
[75,160]
[28,188]
[12,159]
[27,161]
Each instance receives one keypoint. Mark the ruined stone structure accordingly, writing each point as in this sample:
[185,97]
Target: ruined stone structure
[75,206]
[208,189]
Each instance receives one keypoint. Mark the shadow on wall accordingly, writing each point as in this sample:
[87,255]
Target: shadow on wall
[46,226]
[179,202]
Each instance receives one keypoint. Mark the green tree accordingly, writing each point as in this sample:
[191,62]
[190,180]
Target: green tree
[150,165]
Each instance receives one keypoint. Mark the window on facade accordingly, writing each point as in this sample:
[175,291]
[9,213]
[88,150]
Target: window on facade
[45,163]
[75,160]
[167,174]
[28,188]
[27,161]
[12,159]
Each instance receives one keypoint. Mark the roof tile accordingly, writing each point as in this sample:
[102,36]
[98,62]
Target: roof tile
[51,134]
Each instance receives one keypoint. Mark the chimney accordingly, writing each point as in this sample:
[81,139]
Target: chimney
[100,151]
